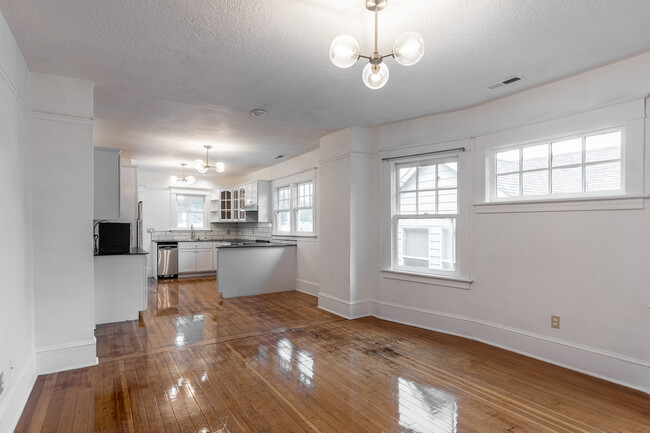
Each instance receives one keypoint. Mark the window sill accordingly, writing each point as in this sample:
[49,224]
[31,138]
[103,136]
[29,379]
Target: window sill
[434,280]
[621,202]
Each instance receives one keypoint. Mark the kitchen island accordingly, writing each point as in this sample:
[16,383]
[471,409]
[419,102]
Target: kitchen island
[252,268]
[120,286]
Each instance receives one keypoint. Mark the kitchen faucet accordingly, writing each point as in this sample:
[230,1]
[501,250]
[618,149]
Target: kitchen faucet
[192,234]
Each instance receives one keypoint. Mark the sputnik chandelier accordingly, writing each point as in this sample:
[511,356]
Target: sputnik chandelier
[202,167]
[185,180]
[407,50]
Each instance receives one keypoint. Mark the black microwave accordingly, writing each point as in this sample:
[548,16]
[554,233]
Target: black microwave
[114,238]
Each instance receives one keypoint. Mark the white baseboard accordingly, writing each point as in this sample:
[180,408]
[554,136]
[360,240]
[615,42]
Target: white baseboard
[16,396]
[610,366]
[348,309]
[307,287]
[64,357]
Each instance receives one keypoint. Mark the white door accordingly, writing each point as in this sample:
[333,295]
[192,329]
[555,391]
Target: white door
[186,261]
[204,260]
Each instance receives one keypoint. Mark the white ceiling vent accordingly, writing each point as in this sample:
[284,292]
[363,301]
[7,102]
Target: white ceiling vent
[505,82]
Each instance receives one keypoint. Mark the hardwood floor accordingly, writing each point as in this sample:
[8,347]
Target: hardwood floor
[276,363]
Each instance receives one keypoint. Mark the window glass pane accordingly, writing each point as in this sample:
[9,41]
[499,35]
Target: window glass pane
[508,161]
[603,147]
[283,221]
[535,157]
[535,182]
[284,198]
[426,202]
[416,242]
[603,177]
[196,219]
[305,220]
[567,180]
[427,243]
[305,194]
[508,185]
[182,220]
[567,152]
[427,177]
[448,175]
[407,203]
[447,201]
[407,178]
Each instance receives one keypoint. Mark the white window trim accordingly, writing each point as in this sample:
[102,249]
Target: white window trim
[434,277]
[292,181]
[207,194]
[628,113]
[492,175]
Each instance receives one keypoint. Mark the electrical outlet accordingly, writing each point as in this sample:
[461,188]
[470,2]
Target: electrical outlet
[2,382]
[555,322]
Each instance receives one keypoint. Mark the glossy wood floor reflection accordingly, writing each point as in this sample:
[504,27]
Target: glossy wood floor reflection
[276,363]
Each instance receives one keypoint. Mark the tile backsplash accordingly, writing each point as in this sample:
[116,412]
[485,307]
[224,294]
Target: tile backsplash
[221,231]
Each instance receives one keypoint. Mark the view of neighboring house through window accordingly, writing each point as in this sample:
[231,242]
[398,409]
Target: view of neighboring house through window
[190,211]
[576,165]
[424,223]
[283,210]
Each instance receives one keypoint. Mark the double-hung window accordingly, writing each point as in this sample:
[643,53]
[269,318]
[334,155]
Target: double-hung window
[294,208]
[190,211]
[425,216]
[305,207]
[283,209]
[580,165]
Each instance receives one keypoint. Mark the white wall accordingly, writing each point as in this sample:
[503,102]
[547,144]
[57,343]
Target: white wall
[590,267]
[62,156]
[308,249]
[17,361]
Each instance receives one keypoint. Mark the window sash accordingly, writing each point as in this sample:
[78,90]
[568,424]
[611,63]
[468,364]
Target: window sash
[583,165]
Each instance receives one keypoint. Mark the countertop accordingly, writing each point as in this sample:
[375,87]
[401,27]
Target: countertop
[132,252]
[236,243]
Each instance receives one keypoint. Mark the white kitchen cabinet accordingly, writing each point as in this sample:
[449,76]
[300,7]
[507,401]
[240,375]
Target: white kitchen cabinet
[186,261]
[195,257]
[204,260]
[107,183]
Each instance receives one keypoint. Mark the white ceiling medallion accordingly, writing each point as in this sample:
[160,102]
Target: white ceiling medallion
[407,50]
[183,181]
[202,167]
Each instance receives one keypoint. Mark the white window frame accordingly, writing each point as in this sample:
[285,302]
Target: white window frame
[298,208]
[292,182]
[277,210]
[206,208]
[460,277]
[491,171]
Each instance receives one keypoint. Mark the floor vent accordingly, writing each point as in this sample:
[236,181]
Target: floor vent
[505,82]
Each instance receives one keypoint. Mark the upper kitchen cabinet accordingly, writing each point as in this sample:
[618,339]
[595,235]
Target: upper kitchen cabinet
[107,183]
[257,200]
[248,202]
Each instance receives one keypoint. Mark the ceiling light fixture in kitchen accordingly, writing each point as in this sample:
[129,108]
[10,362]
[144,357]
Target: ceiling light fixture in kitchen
[202,167]
[407,50]
[185,180]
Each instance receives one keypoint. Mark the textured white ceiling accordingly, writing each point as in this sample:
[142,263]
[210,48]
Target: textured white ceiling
[173,75]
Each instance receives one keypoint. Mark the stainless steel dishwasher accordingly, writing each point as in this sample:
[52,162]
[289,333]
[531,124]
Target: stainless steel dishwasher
[167,259]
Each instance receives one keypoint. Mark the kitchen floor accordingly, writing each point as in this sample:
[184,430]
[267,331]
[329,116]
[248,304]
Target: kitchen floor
[276,363]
